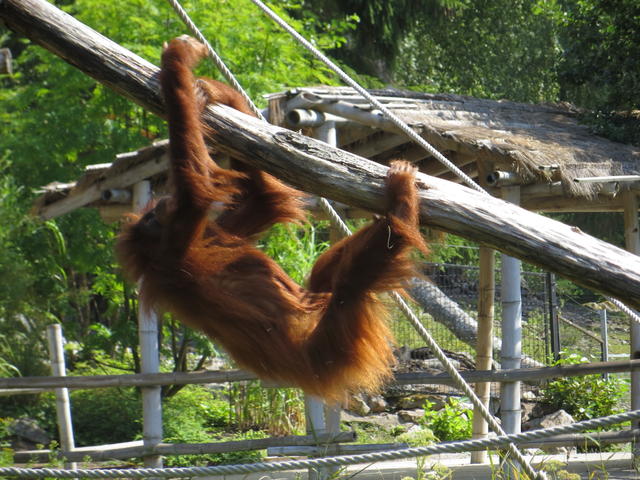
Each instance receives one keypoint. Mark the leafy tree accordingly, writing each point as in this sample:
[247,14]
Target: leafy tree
[600,66]
[373,47]
[492,49]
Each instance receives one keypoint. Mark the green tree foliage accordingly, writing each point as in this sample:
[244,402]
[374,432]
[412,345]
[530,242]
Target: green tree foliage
[492,49]
[598,397]
[600,66]
[374,45]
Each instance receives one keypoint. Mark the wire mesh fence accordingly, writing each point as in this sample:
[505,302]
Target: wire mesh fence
[545,307]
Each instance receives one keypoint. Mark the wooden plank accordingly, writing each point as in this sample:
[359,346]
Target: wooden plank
[320,169]
[93,192]
[135,449]
[182,378]
[522,374]
[132,380]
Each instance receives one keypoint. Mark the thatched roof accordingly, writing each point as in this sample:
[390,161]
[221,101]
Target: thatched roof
[501,135]
[542,147]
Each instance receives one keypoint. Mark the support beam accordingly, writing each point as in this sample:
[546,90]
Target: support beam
[63,404]
[317,168]
[484,347]
[149,354]
[511,354]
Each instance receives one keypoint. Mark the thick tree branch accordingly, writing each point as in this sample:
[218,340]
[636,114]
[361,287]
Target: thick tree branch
[318,168]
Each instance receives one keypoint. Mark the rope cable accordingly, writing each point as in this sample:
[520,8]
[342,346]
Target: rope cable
[341,460]
[184,16]
[353,84]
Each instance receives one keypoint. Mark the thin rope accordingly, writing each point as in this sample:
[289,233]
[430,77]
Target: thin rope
[341,460]
[214,56]
[353,84]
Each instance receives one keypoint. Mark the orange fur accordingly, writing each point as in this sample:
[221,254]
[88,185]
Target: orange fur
[328,339]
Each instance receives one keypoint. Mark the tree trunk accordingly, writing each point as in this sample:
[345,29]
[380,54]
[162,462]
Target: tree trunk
[318,168]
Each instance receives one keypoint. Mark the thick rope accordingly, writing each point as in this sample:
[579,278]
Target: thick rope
[633,315]
[343,460]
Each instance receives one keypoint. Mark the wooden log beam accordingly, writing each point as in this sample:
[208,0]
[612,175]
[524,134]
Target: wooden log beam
[320,169]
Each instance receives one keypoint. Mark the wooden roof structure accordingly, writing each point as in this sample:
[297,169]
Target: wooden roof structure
[541,148]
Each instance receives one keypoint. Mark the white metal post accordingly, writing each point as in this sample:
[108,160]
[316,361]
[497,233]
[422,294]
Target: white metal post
[149,354]
[319,419]
[511,330]
[63,405]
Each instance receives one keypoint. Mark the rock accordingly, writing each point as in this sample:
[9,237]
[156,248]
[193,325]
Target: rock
[29,430]
[434,364]
[384,420]
[413,429]
[412,401]
[377,404]
[417,400]
[527,411]
[411,416]
[528,395]
[552,420]
[358,405]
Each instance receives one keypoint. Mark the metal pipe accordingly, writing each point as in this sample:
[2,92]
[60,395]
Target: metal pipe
[63,405]
[503,179]
[371,118]
[611,178]
[632,243]
[116,195]
[300,118]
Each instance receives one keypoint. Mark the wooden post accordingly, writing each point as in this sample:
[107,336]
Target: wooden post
[484,348]
[632,242]
[149,356]
[63,405]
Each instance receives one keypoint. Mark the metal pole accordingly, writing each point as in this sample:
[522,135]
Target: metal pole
[511,332]
[604,334]
[63,405]
[554,323]
[149,356]
[321,418]
[632,242]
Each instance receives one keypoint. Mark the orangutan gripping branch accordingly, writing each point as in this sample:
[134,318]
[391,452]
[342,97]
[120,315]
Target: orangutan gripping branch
[328,339]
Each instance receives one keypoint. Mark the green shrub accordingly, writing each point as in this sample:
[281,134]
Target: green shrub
[584,397]
[451,422]
[108,415]
[194,408]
